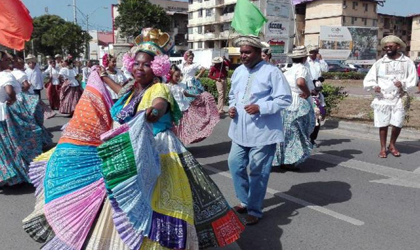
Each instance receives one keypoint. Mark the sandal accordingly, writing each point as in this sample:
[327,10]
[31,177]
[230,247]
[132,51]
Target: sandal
[394,152]
[251,220]
[240,209]
[382,154]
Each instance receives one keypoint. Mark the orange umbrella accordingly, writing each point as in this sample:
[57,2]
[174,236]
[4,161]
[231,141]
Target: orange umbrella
[15,24]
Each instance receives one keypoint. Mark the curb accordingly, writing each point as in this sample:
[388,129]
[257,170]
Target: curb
[363,129]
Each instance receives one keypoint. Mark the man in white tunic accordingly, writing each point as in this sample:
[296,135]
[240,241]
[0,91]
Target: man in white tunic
[315,63]
[316,66]
[35,77]
[389,78]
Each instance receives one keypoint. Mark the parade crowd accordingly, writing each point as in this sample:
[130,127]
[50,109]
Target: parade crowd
[121,176]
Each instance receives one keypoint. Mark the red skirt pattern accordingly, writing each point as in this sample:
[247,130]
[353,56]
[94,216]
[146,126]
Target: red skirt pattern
[69,97]
[53,95]
[197,123]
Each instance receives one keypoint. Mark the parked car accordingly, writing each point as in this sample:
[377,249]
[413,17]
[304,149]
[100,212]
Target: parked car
[363,70]
[338,68]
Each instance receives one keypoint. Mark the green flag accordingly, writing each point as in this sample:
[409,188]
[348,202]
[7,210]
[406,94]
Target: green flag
[247,19]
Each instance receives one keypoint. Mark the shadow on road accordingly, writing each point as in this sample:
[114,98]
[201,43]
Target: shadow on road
[20,189]
[268,232]
[210,150]
[55,128]
[332,142]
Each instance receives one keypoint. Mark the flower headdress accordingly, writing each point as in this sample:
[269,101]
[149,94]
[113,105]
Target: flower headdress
[155,43]
[105,59]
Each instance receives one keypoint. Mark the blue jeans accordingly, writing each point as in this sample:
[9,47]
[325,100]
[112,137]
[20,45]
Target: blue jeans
[250,189]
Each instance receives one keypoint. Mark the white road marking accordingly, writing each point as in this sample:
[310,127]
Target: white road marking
[397,177]
[297,201]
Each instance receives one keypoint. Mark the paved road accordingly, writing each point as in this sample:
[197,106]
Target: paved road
[344,198]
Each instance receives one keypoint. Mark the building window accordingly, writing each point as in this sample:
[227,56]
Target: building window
[200,13]
[353,20]
[190,15]
[200,30]
[344,19]
[344,4]
[190,1]
[190,31]
[364,20]
[355,4]
[366,7]
[375,22]
[200,45]
[209,12]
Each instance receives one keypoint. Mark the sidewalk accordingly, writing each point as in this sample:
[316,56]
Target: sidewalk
[367,129]
[359,91]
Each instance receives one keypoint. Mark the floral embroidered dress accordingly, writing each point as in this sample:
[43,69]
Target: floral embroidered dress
[12,164]
[298,122]
[200,114]
[137,181]
[70,91]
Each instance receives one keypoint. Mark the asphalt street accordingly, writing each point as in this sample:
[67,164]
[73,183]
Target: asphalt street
[344,197]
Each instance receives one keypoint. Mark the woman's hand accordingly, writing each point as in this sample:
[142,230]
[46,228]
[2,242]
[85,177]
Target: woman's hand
[304,95]
[10,101]
[102,72]
[152,115]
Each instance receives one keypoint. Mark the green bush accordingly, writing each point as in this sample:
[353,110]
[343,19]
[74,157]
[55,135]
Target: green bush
[210,86]
[333,96]
[343,75]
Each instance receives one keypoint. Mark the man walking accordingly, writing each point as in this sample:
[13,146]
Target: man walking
[390,77]
[316,66]
[219,73]
[258,93]
[34,75]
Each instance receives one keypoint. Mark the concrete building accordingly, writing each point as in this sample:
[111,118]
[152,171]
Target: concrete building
[99,45]
[415,38]
[395,25]
[360,13]
[209,26]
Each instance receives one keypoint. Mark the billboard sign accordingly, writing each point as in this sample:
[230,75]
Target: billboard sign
[354,44]
[278,8]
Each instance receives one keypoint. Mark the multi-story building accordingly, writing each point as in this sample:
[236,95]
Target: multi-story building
[209,25]
[360,13]
[415,38]
[395,25]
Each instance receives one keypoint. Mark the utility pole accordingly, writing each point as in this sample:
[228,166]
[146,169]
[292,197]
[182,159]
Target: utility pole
[74,12]
[87,42]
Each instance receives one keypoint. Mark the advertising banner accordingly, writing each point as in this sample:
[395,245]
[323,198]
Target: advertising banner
[354,44]
[278,8]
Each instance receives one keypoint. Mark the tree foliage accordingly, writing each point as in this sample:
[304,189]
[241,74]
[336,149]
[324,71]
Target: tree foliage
[53,35]
[137,14]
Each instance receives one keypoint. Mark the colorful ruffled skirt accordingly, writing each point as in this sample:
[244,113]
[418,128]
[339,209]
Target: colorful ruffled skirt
[53,95]
[197,123]
[69,97]
[13,168]
[298,124]
[134,191]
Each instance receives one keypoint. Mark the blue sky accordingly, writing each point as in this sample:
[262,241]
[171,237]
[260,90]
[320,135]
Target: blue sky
[101,18]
